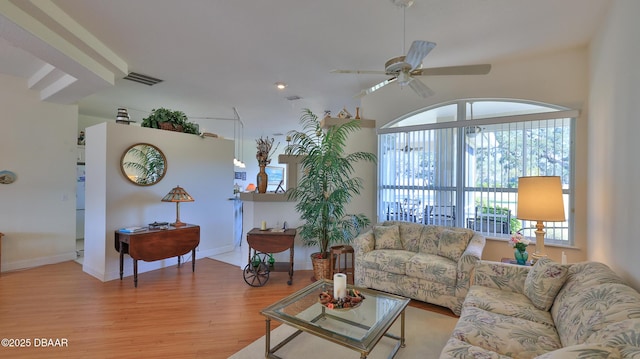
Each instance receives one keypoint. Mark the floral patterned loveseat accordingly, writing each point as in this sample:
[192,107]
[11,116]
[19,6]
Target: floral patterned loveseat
[425,262]
[583,310]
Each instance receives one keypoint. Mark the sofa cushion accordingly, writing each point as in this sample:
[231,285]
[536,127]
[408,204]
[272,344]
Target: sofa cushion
[387,260]
[623,335]
[451,243]
[592,299]
[583,351]
[429,239]
[410,234]
[506,303]
[544,282]
[456,348]
[387,237]
[432,268]
[505,335]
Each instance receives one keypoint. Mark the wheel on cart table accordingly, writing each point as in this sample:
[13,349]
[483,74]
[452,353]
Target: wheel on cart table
[256,273]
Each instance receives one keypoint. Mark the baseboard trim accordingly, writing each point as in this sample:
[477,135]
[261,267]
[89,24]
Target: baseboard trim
[37,262]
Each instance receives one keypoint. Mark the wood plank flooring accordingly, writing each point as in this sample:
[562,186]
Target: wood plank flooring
[173,313]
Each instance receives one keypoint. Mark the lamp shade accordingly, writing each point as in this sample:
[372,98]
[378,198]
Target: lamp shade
[178,194]
[540,199]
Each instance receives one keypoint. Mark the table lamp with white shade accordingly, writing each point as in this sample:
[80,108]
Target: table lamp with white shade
[540,199]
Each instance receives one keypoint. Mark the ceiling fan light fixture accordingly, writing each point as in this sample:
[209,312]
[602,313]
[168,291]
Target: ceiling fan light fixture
[403,3]
[404,78]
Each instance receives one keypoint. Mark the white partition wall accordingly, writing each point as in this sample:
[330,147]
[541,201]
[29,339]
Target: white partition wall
[202,166]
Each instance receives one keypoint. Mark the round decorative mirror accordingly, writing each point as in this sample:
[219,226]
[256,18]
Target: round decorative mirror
[143,164]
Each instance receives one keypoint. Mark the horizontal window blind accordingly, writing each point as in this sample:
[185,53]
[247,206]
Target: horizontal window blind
[467,176]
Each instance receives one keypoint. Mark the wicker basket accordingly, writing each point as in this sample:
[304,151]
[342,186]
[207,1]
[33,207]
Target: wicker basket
[168,126]
[321,267]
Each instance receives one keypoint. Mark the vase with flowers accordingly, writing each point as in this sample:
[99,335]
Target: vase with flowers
[520,244]
[265,150]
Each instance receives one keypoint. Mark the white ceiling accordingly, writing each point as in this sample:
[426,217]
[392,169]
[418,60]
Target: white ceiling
[216,55]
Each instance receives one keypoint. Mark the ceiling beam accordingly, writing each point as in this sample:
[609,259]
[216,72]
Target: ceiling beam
[83,73]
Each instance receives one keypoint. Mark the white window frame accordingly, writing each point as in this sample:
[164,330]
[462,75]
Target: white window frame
[417,209]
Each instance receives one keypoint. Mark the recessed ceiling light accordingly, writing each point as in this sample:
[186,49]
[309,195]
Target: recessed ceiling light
[281,85]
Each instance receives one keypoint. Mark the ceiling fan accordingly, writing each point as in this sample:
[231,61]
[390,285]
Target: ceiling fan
[403,69]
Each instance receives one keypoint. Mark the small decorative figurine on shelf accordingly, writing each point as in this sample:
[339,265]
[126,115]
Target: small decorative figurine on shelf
[344,114]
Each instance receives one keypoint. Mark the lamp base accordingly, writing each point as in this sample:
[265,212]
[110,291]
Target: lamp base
[540,252]
[178,224]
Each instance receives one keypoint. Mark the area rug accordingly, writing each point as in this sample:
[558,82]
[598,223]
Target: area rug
[426,334]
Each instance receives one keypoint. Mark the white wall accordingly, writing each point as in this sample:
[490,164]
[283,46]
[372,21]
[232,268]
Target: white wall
[559,78]
[38,143]
[202,166]
[614,170]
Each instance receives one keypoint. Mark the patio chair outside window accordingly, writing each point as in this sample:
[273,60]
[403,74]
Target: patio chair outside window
[491,220]
[441,215]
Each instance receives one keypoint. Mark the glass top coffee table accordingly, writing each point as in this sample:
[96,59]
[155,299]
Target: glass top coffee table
[358,328]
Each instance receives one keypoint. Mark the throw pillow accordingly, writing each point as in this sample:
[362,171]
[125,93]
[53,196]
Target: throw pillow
[544,281]
[451,244]
[387,237]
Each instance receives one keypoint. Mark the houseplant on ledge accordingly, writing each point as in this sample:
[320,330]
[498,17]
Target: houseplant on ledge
[326,187]
[165,119]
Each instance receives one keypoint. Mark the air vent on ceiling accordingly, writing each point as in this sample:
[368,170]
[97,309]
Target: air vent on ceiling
[143,79]
[293,98]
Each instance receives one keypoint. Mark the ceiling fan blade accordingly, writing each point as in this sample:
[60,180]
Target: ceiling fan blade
[482,69]
[420,88]
[358,72]
[375,87]
[417,52]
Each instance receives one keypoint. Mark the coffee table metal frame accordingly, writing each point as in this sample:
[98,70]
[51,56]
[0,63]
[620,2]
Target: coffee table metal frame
[309,295]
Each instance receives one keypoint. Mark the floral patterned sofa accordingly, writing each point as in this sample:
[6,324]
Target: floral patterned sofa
[583,310]
[424,262]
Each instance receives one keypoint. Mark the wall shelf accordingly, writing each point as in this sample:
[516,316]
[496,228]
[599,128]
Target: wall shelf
[332,121]
[264,197]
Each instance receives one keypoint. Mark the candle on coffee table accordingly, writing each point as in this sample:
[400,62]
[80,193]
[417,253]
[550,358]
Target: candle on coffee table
[339,285]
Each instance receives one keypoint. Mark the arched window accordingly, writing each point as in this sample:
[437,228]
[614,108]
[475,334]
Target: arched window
[458,164]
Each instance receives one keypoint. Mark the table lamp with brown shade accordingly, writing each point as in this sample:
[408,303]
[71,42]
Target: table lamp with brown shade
[540,199]
[177,195]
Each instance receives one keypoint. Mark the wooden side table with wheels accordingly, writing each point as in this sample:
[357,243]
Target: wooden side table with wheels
[261,245]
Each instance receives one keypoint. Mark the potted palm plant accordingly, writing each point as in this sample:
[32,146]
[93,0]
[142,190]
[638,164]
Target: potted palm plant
[326,187]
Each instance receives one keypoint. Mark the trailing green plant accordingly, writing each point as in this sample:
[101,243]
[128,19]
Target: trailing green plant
[190,127]
[175,118]
[327,184]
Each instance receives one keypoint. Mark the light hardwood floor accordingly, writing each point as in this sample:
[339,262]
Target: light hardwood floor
[173,313]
